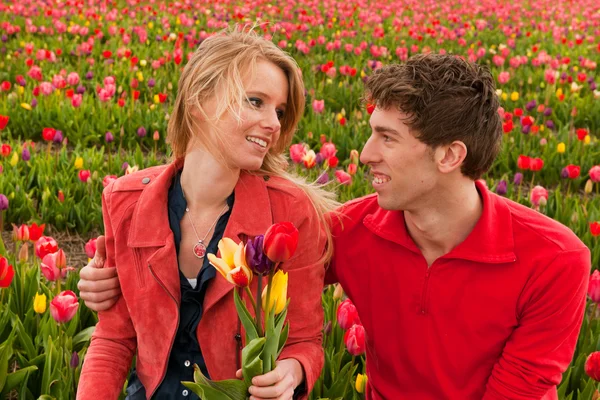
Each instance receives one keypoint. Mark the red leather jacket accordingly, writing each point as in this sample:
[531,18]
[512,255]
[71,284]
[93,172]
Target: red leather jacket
[145,318]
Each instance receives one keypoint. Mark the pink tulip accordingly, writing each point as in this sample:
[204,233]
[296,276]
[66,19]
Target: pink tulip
[76,100]
[108,179]
[595,173]
[90,248]
[318,106]
[84,175]
[594,287]
[538,196]
[503,77]
[54,265]
[328,150]
[343,177]
[73,78]
[354,338]
[63,306]
[45,245]
[297,152]
[347,316]
[46,88]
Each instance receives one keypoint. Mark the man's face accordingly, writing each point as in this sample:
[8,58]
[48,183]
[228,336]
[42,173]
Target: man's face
[403,169]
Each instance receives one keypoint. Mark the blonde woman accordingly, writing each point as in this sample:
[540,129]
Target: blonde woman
[238,103]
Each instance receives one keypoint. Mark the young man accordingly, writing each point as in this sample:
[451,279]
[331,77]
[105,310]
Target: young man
[463,294]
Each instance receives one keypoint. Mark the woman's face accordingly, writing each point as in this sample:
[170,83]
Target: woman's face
[247,142]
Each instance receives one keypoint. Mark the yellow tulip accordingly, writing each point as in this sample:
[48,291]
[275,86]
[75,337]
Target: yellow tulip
[26,106]
[232,263]
[514,96]
[361,382]
[588,186]
[156,99]
[504,96]
[39,303]
[587,139]
[14,159]
[140,76]
[78,163]
[561,147]
[278,293]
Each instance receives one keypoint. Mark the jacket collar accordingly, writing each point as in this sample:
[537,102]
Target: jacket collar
[491,240]
[250,216]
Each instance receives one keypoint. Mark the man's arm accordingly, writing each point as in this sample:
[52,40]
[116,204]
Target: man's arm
[541,347]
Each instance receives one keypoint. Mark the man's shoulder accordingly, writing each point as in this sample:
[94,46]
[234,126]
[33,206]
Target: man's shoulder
[361,205]
[532,228]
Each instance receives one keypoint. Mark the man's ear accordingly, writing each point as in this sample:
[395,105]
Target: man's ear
[450,157]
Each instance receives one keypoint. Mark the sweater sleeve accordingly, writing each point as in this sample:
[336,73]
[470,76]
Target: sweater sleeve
[550,315]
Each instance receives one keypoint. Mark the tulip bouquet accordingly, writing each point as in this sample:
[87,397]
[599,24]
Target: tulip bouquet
[239,263]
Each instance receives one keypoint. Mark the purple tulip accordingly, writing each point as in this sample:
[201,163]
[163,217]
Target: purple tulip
[3,202]
[255,256]
[124,166]
[501,189]
[34,103]
[141,132]
[89,75]
[74,360]
[80,89]
[518,178]
[319,159]
[151,82]
[323,178]
[525,129]
[531,105]
[550,124]
[547,111]
[564,173]
[25,155]
[108,136]
[58,137]
[593,86]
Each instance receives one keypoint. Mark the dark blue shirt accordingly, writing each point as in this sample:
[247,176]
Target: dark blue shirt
[186,349]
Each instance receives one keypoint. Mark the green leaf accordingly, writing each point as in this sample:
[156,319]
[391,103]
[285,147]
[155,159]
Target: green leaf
[23,337]
[589,390]
[83,336]
[231,389]
[252,364]
[245,317]
[15,379]
[6,352]
[282,339]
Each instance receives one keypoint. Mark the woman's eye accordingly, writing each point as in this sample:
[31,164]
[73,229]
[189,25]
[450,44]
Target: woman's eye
[255,102]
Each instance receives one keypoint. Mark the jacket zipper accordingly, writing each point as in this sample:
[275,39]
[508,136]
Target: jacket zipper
[164,372]
[424,294]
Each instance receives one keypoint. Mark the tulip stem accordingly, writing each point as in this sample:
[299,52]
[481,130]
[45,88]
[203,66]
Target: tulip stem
[256,310]
[589,328]
[256,306]
[2,297]
[268,307]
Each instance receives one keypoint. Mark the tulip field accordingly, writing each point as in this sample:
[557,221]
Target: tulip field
[86,91]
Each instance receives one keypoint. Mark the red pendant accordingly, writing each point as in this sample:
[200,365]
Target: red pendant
[199,249]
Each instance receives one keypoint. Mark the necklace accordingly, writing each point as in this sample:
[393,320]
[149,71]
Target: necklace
[199,248]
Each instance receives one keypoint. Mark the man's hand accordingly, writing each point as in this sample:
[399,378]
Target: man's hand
[278,384]
[98,286]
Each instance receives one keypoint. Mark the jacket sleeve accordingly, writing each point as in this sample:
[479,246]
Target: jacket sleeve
[541,347]
[305,286]
[113,343]
[335,225]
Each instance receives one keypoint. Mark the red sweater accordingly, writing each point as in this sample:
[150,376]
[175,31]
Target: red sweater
[496,318]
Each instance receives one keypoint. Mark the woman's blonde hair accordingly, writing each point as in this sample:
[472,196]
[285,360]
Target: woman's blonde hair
[219,66]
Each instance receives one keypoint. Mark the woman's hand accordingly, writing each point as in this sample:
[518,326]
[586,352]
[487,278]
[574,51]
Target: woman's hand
[98,286]
[278,384]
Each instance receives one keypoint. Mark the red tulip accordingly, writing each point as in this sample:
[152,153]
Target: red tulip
[63,306]
[90,248]
[352,168]
[594,287]
[354,338]
[595,228]
[347,316]
[61,196]
[581,133]
[36,232]
[573,171]
[45,245]
[592,366]
[523,162]
[5,150]
[281,241]
[84,175]
[343,177]
[3,121]
[48,134]
[6,273]
[333,162]
[536,164]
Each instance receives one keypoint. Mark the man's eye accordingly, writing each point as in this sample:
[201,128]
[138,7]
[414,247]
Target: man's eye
[280,114]
[386,138]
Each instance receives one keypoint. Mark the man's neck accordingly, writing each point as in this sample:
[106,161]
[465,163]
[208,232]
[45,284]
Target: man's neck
[438,227]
